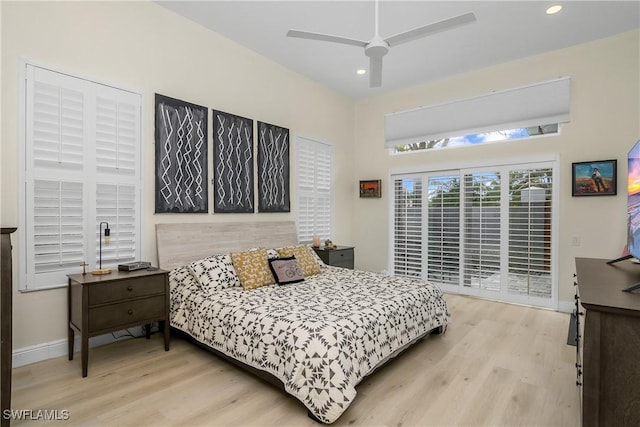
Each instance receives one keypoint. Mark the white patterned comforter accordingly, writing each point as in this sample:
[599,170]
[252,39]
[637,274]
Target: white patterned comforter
[320,337]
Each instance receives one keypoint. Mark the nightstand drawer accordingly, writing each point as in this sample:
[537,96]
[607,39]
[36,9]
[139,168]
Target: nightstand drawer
[101,293]
[127,312]
[342,256]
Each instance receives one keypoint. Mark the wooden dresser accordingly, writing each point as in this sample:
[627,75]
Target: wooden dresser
[610,344]
[6,324]
[112,302]
[341,256]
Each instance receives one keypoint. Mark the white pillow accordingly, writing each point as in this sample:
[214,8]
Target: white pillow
[215,271]
[181,277]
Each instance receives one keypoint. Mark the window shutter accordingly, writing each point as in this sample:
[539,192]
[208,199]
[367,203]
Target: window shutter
[116,205]
[530,232]
[323,192]
[57,127]
[443,229]
[407,227]
[314,190]
[81,166]
[482,230]
[116,137]
[58,233]
[485,232]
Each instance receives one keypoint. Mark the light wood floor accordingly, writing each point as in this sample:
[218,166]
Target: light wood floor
[497,364]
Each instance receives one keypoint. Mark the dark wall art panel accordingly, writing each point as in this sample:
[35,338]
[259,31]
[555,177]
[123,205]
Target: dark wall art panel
[181,156]
[273,168]
[232,163]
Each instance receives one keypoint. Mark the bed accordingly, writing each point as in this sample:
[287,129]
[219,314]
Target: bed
[316,338]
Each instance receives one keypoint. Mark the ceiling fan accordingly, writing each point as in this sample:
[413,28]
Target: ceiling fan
[378,47]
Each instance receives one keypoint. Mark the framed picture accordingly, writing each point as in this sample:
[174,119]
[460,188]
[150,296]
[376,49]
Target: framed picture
[181,156]
[597,178]
[371,188]
[273,168]
[232,163]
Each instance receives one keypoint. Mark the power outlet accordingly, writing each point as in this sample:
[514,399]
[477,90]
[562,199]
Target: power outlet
[575,241]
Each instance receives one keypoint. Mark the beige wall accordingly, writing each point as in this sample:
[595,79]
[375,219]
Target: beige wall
[143,47]
[605,122]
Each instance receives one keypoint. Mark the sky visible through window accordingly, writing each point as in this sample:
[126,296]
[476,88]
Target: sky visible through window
[480,138]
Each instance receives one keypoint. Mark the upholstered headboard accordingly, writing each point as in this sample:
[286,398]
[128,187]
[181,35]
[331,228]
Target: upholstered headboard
[180,244]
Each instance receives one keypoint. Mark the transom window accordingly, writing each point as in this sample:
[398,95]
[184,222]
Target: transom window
[479,138]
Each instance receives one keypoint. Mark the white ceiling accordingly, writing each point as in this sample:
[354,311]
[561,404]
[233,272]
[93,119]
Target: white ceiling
[504,31]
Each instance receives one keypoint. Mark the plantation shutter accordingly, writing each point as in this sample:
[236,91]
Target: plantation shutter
[116,204]
[443,229]
[55,159]
[57,123]
[530,231]
[314,190]
[81,163]
[407,226]
[117,136]
[482,230]
[57,225]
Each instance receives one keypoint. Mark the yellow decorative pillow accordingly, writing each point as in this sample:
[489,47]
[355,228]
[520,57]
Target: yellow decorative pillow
[252,267]
[304,257]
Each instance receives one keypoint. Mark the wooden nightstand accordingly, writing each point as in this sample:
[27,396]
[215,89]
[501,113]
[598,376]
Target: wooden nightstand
[98,305]
[341,256]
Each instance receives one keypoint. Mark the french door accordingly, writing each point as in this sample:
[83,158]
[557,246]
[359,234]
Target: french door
[485,231]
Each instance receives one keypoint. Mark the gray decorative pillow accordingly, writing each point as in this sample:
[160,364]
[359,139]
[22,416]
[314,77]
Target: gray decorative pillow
[286,270]
[215,271]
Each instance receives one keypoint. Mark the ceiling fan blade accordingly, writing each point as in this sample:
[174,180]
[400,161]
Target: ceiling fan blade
[324,37]
[375,71]
[429,29]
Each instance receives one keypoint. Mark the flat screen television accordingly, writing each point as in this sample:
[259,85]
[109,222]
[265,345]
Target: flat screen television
[633,209]
[633,202]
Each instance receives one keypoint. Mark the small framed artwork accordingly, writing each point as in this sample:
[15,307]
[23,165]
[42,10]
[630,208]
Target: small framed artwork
[371,188]
[597,178]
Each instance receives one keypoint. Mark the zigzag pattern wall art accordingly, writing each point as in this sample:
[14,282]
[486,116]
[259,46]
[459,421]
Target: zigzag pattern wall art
[232,163]
[273,168]
[181,156]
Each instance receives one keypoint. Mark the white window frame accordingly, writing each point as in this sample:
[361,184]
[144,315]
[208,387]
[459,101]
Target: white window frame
[89,176]
[319,197]
[490,137]
[551,161]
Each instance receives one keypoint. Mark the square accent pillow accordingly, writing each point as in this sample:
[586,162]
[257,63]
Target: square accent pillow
[304,258]
[252,268]
[215,271]
[286,270]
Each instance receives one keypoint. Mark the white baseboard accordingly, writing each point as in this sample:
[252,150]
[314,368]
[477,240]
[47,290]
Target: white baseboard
[39,352]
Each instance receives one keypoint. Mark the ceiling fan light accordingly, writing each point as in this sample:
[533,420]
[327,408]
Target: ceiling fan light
[554,9]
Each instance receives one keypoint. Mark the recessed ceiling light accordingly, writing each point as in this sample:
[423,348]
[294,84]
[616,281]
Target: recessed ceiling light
[361,71]
[554,9]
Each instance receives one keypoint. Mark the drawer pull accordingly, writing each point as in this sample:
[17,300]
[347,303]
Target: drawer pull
[130,287]
[130,312]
